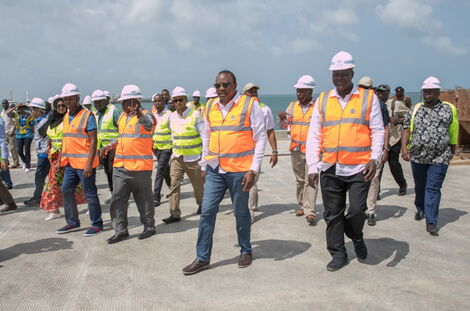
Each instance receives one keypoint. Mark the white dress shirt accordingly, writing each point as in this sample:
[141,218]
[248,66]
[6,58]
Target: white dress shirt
[177,122]
[258,130]
[314,138]
[268,117]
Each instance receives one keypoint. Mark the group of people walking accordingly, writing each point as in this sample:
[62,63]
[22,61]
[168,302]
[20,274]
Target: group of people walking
[339,143]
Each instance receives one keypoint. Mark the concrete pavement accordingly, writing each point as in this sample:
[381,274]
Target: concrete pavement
[407,269]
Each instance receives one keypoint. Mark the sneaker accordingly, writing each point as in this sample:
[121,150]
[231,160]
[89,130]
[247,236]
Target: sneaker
[419,216]
[93,231]
[360,249]
[371,220]
[27,170]
[23,166]
[336,264]
[31,202]
[402,190]
[432,229]
[53,216]
[67,229]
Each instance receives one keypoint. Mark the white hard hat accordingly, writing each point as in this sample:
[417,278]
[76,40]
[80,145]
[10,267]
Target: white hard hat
[38,103]
[305,82]
[69,89]
[365,81]
[107,93]
[153,96]
[130,91]
[431,83]
[50,99]
[211,92]
[196,93]
[178,91]
[341,61]
[86,100]
[98,95]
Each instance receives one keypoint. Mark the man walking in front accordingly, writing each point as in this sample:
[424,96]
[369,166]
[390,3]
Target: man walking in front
[429,138]
[80,160]
[298,115]
[133,164]
[345,142]
[234,141]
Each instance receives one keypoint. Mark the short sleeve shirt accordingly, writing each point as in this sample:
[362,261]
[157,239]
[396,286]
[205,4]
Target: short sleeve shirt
[90,125]
[430,141]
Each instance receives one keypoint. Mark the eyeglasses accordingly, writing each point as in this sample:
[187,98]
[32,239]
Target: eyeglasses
[224,84]
[60,106]
[178,100]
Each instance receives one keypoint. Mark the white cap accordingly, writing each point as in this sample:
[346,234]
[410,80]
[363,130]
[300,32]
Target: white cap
[431,83]
[211,92]
[196,93]
[69,89]
[153,96]
[38,103]
[341,61]
[86,100]
[50,99]
[178,91]
[98,95]
[305,82]
[107,93]
[365,81]
[249,86]
[130,91]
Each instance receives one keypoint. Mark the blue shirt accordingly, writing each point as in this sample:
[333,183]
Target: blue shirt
[23,120]
[90,125]
[3,140]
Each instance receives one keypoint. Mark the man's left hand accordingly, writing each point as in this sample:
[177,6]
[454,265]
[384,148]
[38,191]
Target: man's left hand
[87,171]
[369,171]
[273,160]
[248,180]
[385,156]
[4,164]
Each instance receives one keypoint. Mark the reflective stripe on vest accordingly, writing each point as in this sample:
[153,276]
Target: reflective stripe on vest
[231,138]
[134,149]
[75,141]
[299,125]
[55,134]
[107,132]
[186,140]
[345,132]
[162,133]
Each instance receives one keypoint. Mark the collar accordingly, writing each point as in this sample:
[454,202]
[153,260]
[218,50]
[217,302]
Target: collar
[355,90]
[184,115]
[231,102]
[80,109]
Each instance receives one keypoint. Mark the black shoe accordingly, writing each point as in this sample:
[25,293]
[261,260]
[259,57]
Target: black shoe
[146,234]
[360,249]
[199,210]
[371,220]
[432,229]
[336,264]
[157,203]
[378,197]
[9,187]
[171,219]
[32,202]
[402,191]
[117,238]
[419,215]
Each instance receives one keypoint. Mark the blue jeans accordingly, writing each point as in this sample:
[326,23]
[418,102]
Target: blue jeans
[24,150]
[42,170]
[428,183]
[214,191]
[71,179]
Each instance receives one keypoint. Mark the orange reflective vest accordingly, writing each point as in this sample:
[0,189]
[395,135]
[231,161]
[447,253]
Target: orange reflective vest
[345,132]
[231,138]
[134,149]
[299,125]
[75,141]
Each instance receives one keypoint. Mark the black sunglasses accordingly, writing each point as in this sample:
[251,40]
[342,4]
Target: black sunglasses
[60,106]
[224,84]
[178,100]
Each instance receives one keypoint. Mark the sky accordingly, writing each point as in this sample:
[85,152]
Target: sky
[162,43]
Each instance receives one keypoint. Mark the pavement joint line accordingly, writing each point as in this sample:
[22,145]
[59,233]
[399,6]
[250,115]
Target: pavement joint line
[23,215]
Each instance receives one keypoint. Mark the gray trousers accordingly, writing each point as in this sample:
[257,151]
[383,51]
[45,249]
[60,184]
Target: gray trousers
[139,183]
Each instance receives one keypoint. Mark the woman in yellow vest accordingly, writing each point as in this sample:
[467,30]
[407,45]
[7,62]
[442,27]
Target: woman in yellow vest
[51,198]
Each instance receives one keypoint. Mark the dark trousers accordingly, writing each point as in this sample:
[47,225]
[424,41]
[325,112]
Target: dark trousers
[42,170]
[5,195]
[24,150]
[395,166]
[334,189]
[428,183]
[6,177]
[163,172]
[107,163]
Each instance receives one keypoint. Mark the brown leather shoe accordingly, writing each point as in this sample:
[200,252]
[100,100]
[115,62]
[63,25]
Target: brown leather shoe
[245,260]
[311,218]
[195,267]
[299,212]
[9,207]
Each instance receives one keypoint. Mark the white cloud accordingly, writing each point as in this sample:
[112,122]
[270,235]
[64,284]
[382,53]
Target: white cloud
[415,17]
[335,21]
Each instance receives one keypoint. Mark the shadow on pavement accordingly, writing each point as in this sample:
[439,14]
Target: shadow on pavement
[277,250]
[39,246]
[382,249]
[449,215]
[390,211]
[24,186]
[394,191]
